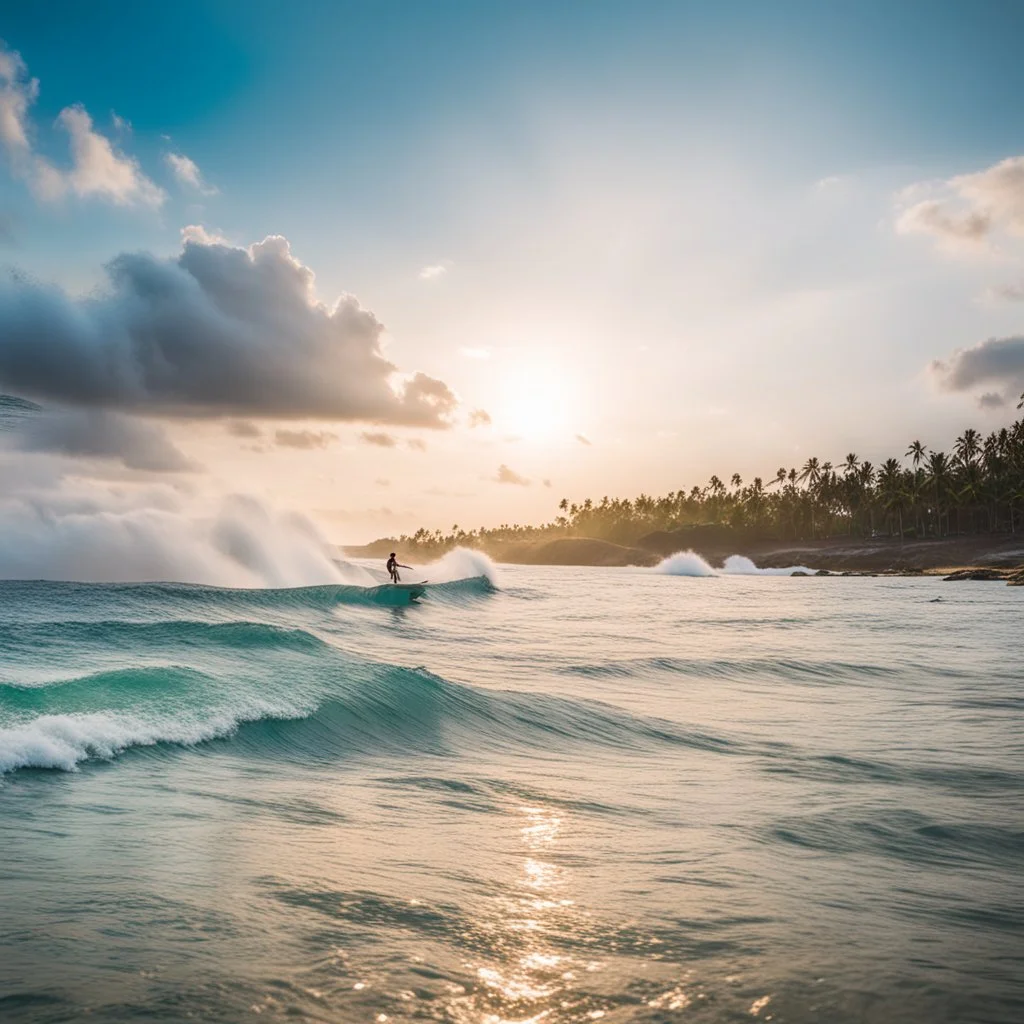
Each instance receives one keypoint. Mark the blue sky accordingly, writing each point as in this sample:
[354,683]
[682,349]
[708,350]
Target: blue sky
[674,229]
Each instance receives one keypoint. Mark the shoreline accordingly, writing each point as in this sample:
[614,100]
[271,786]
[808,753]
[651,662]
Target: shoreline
[965,557]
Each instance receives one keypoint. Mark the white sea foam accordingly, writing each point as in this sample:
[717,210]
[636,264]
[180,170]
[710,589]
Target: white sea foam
[689,563]
[740,565]
[64,741]
[684,563]
[461,564]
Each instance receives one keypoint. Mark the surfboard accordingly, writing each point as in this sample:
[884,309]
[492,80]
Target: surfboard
[415,589]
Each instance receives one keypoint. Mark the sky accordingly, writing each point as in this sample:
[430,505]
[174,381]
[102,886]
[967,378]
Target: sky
[398,265]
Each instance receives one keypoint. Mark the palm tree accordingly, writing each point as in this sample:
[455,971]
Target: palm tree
[967,446]
[939,478]
[890,481]
[984,478]
[916,452]
[811,473]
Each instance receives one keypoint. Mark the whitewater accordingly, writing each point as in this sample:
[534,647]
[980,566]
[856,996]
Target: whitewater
[538,794]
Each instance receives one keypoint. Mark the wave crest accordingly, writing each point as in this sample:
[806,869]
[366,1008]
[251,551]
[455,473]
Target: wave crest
[689,563]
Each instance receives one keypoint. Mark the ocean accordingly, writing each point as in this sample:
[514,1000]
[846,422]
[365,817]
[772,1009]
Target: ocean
[539,794]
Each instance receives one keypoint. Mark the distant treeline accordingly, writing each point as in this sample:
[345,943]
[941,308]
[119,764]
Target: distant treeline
[978,488]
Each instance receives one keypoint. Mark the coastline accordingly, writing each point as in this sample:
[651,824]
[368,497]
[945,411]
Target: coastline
[976,557]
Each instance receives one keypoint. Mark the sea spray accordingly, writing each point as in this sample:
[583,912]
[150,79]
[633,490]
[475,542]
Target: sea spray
[684,563]
[740,565]
[689,563]
[153,536]
[461,564]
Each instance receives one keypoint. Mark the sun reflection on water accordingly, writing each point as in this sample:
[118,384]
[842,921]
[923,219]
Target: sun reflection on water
[530,972]
[530,984]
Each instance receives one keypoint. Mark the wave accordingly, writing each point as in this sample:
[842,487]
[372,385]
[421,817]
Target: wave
[784,669]
[462,563]
[170,600]
[684,563]
[689,563]
[343,707]
[740,565]
[904,834]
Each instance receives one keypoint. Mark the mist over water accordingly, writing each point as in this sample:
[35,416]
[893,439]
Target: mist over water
[538,794]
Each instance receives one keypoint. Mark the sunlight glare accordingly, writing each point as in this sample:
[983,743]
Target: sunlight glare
[535,402]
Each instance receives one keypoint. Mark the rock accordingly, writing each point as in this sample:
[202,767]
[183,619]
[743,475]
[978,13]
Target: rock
[1016,578]
[823,572]
[976,574]
[799,572]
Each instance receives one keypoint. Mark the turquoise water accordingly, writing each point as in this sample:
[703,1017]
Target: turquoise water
[571,795]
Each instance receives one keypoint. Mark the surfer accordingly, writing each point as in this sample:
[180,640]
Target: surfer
[393,566]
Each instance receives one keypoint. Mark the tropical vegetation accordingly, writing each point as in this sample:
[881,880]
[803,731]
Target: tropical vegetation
[978,487]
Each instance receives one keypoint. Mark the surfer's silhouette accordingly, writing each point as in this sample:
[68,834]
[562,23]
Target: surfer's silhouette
[393,566]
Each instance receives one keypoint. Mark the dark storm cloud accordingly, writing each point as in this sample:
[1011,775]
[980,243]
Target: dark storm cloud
[94,433]
[997,361]
[991,400]
[217,331]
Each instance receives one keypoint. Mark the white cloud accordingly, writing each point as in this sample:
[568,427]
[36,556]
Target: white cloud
[479,418]
[969,208]
[935,218]
[998,191]
[187,173]
[97,168]
[201,236]
[17,93]
[1007,292]
[435,270]
[584,440]
[830,183]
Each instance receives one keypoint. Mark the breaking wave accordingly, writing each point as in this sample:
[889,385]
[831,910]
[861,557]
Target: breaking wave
[284,694]
[689,563]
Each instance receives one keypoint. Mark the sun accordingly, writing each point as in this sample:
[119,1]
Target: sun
[535,403]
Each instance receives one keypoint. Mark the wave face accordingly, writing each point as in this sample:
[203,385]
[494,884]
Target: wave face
[179,664]
[557,794]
